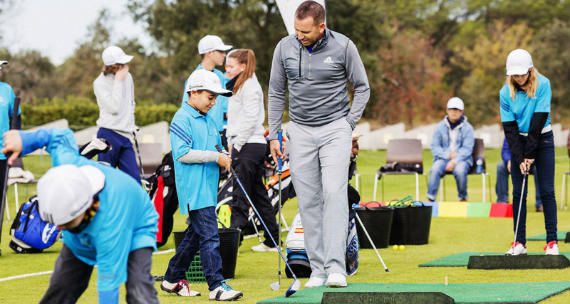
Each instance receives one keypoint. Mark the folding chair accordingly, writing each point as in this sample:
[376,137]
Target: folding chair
[478,152]
[406,151]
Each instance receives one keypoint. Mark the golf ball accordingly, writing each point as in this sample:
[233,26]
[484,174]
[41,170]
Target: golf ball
[401,247]
[395,247]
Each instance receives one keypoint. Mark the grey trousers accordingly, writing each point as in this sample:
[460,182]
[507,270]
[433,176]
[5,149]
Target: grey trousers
[71,276]
[319,159]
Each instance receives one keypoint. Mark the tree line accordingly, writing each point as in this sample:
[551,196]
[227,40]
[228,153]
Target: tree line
[417,53]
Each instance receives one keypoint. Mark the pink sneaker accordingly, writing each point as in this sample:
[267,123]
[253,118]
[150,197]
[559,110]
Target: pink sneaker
[551,248]
[516,249]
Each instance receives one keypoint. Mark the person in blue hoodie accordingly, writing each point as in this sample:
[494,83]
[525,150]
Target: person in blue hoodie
[107,220]
[452,147]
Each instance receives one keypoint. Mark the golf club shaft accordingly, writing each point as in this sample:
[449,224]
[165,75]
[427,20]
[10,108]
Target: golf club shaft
[138,153]
[279,172]
[371,242]
[520,207]
[259,216]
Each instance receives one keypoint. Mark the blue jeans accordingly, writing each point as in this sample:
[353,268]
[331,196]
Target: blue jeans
[121,154]
[201,234]
[438,171]
[502,185]
[544,164]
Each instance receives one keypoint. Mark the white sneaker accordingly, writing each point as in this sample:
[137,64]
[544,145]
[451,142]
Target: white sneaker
[516,249]
[225,293]
[315,282]
[181,288]
[336,280]
[551,248]
[262,248]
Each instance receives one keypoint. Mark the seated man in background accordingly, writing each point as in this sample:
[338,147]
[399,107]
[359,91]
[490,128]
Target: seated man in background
[503,172]
[451,146]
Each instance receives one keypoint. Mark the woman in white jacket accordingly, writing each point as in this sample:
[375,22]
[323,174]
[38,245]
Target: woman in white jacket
[247,143]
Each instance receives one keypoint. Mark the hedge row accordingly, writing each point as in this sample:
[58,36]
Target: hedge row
[83,112]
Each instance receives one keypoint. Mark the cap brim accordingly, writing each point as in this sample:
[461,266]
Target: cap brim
[96,178]
[225,93]
[125,59]
[517,71]
[224,48]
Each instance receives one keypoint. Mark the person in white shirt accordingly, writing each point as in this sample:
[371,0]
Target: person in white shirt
[247,144]
[115,93]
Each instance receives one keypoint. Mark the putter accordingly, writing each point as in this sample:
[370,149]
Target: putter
[279,172]
[296,283]
[371,242]
[139,154]
[5,185]
[519,212]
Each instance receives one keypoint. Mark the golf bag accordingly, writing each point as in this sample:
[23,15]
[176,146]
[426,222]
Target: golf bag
[30,234]
[164,196]
[295,243]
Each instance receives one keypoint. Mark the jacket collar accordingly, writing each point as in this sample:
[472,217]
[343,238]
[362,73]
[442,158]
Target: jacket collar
[321,43]
[193,112]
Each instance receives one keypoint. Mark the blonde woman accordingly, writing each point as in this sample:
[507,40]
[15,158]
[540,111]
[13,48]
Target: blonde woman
[525,114]
[247,143]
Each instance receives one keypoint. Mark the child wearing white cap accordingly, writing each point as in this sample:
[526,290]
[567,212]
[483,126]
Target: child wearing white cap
[115,94]
[193,137]
[451,146]
[525,115]
[107,220]
[212,50]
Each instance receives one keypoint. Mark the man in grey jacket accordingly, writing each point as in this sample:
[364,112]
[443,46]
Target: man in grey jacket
[315,65]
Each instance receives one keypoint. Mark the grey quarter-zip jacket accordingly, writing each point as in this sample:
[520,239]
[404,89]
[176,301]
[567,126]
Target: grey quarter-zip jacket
[316,82]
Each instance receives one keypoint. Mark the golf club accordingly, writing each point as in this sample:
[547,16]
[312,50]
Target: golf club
[371,242]
[139,154]
[519,212]
[279,172]
[296,283]
[7,168]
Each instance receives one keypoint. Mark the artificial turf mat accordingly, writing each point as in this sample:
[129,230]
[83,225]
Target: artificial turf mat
[461,293]
[462,259]
[560,235]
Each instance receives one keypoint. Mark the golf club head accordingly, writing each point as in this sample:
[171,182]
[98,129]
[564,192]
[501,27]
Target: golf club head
[293,288]
[274,286]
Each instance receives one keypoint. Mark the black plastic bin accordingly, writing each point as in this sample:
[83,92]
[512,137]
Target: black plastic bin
[411,225]
[229,245]
[378,222]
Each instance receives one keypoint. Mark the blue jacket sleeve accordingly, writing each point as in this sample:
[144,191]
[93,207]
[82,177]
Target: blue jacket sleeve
[506,151]
[437,148]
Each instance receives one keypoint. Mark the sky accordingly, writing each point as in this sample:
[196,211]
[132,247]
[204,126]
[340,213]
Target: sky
[57,27]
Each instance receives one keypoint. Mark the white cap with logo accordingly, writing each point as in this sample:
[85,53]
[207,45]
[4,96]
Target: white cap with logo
[455,103]
[115,54]
[66,191]
[211,43]
[204,80]
[519,62]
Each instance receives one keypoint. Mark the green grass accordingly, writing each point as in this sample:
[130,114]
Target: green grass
[255,271]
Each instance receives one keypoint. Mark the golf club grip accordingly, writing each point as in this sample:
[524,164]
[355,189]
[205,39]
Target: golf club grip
[13,119]
[219,149]
[279,160]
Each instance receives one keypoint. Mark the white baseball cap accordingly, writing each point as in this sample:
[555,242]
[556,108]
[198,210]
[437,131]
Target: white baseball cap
[66,191]
[115,54]
[455,103]
[212,43]
[519,62]
[204,80]
[3,62]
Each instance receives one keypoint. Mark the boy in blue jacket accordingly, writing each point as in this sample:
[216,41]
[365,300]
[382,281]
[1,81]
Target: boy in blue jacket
[107,220]
[193,137]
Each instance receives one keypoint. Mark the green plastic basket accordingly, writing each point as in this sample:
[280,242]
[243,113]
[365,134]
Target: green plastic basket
[195,273]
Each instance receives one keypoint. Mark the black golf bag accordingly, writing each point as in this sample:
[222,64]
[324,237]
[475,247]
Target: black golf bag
[163,194]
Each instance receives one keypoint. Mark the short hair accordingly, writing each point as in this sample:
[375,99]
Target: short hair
[311,9]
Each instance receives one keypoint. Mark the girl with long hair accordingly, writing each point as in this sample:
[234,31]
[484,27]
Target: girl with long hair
[247,143]
[525,114]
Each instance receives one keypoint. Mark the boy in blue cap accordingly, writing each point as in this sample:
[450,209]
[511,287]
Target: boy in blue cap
[107,220]
[193,137]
